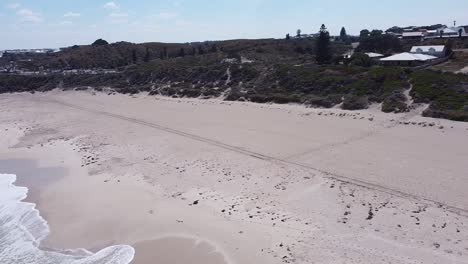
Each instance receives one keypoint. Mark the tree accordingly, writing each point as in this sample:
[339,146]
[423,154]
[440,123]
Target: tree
[165,52]
[214,48]
[396,30]
[364,34]
[100,42]
[460,32]
[288,37]
[361,59]
[194,51]
[200,50]
[343,34]
[134,56]
[147,55]
[376,33]
[323,53]
[449,46]
[182,52]
[441,34]
[381,43]
[299,49]
[299,33]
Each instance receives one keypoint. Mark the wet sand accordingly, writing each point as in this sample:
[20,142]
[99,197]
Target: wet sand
[166,250]
[30,175]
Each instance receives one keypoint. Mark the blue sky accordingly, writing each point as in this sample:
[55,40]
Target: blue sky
[59,23]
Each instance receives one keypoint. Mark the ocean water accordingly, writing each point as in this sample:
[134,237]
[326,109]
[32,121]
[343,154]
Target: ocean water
[22,229]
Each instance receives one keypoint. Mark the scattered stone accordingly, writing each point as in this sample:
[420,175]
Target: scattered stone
[370,214]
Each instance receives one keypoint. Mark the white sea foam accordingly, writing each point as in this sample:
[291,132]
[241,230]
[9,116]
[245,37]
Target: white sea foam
[22,229]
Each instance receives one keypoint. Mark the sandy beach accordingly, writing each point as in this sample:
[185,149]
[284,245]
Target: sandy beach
[207,181]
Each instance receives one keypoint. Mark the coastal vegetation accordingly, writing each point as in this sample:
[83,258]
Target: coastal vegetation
[305,70]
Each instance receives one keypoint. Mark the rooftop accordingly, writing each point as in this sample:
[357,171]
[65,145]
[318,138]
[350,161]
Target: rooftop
[419,49]
[413,34]
[406,56]
[374,55]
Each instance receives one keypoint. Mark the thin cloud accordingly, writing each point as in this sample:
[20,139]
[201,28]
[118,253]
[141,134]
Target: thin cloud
[167,15]
[72,14]
[28,15]
[66,22]
[118,14]
[111,6]
[14,5]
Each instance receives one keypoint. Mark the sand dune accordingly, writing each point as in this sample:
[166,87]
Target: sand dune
[259,183]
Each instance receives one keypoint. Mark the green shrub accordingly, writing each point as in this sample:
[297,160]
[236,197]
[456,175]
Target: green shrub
[445,91]
[395,103]
[353,102]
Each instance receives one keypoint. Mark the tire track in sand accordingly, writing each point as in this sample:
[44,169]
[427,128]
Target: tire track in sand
[361,183]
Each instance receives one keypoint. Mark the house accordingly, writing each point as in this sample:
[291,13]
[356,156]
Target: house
[373,55]
[437,51]
[413,35]
[395,34]
[465,28]
[407,59]
[448,32]
[315,35]
[348,54]
[432,34]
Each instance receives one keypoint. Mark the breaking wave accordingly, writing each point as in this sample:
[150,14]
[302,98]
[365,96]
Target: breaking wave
[22,229]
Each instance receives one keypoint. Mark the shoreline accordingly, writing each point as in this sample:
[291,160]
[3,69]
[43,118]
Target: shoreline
[131,179]
[30,229]
[35,155]
[144,250]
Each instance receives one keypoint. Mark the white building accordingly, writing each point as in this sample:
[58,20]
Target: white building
[413,35]
[373,55]
[437,51]
[408,59]
[448,32]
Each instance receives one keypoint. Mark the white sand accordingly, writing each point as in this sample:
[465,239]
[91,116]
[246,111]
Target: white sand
[274,184]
